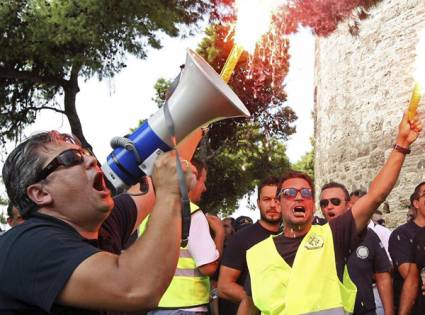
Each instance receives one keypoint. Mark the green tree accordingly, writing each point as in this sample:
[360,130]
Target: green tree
[306,163]
[241,152]
[47,45]
[235,170]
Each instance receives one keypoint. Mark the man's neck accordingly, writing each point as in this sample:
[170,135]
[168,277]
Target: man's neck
[419,220]
[293,231]
[271,227]
[85,231]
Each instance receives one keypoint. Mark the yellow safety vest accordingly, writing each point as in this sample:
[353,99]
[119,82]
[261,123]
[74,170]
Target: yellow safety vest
[311,286]
[189,288]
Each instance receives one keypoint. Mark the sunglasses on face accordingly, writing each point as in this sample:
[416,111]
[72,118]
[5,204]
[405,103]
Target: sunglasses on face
[335,201]
[291,193]
[67,158]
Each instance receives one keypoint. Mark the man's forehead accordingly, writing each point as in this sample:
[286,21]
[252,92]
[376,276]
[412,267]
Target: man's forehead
[333,191]
[296,182]
[50,150]
[268,189]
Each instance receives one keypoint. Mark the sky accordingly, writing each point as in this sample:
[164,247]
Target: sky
[111,107]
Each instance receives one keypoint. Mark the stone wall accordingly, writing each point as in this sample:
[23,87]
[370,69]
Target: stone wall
[362,86]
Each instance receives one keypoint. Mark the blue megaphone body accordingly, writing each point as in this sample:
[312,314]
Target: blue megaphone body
[201,97]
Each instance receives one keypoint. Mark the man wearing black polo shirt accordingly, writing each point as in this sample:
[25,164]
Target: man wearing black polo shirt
[60,260]
[401,243]
[412,300]
[233,268]
[369,260]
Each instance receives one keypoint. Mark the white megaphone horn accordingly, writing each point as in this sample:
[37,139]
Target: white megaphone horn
[201,97]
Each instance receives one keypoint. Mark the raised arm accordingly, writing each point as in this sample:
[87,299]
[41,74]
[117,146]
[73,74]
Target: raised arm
[136,279]
[384,182]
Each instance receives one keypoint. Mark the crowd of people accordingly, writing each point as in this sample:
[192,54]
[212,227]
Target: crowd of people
[70,249]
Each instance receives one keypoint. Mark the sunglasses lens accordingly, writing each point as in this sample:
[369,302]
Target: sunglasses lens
[290,192]
[306,193]
[336,201]
[323,203]
[70,158]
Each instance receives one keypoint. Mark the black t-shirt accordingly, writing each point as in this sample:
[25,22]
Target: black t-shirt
[38,257]
[235,257]
[235,253]
[400,247]
[418,257]
[369,258]
[345,239]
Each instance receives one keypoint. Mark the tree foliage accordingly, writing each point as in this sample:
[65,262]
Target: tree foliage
[306,163]
[241,152]
[234,171]
[323,16]
[47,45]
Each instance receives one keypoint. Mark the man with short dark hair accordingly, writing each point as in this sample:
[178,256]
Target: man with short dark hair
[402,247]
[233,268]
[66,257]
[302,271]
[369,259]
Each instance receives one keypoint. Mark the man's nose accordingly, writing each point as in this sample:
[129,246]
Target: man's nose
[298,196]
[90,161]
[274,202]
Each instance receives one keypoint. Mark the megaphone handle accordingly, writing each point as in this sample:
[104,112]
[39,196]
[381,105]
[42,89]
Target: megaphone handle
[186,213]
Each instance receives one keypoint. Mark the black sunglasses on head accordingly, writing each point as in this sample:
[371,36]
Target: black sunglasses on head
[291,193]
[67,158]
[324,202]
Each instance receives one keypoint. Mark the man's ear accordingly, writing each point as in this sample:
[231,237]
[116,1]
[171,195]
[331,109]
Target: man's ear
[416,203]
[39,195]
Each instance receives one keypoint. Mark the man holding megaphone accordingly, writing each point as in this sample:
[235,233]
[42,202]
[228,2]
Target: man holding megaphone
[53,261]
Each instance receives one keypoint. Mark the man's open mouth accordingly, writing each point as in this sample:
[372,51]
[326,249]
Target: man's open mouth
[299,211]
[99,182]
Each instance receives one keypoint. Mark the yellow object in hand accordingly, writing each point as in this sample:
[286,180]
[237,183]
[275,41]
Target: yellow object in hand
[414,101]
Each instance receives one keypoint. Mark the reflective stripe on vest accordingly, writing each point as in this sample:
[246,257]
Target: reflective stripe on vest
[311,286]
[188,287]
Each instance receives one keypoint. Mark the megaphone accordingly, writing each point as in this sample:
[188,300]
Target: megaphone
[200,98]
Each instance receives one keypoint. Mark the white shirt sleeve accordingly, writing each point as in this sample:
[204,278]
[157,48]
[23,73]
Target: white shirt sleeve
[201,245]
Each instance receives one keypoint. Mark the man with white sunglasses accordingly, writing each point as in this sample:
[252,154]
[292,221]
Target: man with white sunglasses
[300,271]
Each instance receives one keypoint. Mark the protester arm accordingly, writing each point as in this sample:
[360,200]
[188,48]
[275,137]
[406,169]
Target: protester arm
[384,284]
[228,288]
[404,269]
[137,278]
[409,291]
[217,227]
[247,307]
[384,182]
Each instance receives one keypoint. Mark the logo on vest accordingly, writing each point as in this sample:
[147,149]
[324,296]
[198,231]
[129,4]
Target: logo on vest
[362,252]
[314,241]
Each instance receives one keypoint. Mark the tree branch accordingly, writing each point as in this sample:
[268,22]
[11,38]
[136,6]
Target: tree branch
[7,73]
[60,111]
